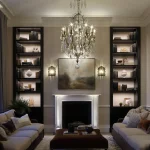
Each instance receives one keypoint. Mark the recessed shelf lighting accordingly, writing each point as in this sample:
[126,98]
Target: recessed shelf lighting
[1,6]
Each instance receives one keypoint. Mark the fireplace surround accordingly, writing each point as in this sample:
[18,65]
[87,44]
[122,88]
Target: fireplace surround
[59,99]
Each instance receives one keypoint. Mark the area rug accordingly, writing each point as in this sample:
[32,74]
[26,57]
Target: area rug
[44,144]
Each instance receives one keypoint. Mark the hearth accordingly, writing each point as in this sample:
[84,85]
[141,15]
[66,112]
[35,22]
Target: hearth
[76,111]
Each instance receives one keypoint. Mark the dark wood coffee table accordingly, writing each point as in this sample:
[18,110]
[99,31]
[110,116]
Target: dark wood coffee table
[80,140]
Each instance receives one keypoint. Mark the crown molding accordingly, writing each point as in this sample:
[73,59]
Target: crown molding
[62,21]
[145,17]
[6,10]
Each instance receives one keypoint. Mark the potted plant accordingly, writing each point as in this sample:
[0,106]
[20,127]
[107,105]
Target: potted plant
[20,106]
[120,104]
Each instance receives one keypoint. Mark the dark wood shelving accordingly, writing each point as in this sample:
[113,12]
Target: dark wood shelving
[124,41]
[29,29]
[29,92]
[29,54]
[36,111]
[28,66]
[127,29]
[125,54]
[124,66]
[28,79]
[28,42]
[116,111]
[125,79]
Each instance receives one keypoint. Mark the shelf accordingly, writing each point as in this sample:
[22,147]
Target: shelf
[29,92]
[28,29]
[124,29]
[124,107]
[125,54]
[125,79]
[134,91]
[29,54]
[28,42]
[124,66]
[124,41]
[28,79]
[28,66]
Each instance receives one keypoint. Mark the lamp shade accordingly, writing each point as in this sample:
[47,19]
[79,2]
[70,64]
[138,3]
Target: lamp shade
[101,71]
[51,71]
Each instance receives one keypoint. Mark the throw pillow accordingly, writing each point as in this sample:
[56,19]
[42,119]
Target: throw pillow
[3,136]
[134,120]
[144,124]
[10,126]
[130,112]
[126,120]
[144,114]
[20,122]
[6,130]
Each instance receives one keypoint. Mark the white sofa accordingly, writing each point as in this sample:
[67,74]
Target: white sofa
[24,138]
[131,138]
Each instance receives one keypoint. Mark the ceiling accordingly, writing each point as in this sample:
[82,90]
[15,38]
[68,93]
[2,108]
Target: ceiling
[61,8]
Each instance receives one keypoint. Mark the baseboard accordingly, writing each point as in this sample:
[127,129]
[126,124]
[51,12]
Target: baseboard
[51,128]
[104,128]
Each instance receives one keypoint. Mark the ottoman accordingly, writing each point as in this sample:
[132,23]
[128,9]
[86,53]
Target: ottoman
[61,141]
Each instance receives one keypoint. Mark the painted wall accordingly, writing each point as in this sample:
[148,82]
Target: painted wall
[102,56]
[51,55]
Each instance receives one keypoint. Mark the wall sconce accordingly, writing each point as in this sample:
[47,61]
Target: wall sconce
[51,71]
[101,71]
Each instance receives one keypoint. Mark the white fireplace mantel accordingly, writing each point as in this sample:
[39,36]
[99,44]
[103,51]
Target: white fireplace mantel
[59,98]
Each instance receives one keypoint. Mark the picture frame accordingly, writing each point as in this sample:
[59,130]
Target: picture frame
[71,77]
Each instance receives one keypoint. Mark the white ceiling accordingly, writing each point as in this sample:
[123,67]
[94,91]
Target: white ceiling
[61,8]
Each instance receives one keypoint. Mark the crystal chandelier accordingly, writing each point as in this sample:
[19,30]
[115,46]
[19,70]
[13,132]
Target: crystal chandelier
[78,38]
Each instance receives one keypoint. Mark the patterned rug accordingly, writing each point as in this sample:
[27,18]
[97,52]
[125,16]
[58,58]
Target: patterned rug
[44,144]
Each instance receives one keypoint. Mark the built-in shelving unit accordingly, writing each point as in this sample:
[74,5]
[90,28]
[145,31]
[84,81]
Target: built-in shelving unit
[28,68]
[124,71]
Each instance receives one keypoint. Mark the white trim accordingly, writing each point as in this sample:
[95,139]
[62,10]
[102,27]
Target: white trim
[104,106]
[6,10]
[61,21]
[59,99]
[100,106]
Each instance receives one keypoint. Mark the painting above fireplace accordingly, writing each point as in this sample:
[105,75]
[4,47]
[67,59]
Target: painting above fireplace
[70,77]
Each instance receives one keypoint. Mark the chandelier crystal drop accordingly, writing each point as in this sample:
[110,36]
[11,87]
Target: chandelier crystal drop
[78,38]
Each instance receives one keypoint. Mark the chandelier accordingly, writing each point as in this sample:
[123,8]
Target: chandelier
[78,38]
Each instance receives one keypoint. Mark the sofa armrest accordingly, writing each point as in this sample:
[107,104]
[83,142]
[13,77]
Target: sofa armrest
[1,146]
[120,120]
[34,121]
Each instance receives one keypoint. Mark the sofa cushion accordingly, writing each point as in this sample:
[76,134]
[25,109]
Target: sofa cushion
[34,126]
[3,136]
[3,118]
[125,120]
[9,114]
[20,122]
[16,143]
[32,134]
[139,142]
[118,126]
[134,120]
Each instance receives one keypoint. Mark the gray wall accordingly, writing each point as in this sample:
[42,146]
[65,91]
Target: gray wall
[102,56]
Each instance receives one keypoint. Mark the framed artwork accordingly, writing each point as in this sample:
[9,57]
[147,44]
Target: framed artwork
[71,77]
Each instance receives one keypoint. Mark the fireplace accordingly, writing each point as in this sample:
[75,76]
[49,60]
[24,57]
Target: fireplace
[93,99]
[76,111]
